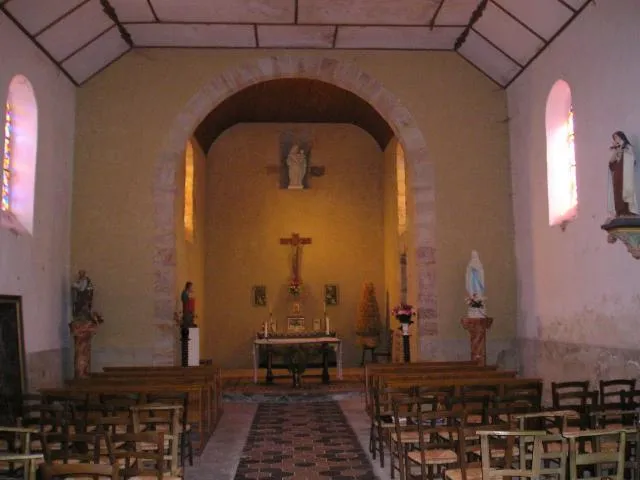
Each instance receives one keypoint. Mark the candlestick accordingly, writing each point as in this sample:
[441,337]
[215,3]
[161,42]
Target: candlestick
[326,323]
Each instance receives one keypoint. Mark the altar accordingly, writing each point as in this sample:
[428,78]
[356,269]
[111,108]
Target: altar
[325,342]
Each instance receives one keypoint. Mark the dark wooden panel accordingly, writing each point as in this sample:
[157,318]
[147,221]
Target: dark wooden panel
[12,381]
[293,100]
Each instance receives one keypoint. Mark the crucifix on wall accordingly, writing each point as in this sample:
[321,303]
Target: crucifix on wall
[296,242]
[295,169]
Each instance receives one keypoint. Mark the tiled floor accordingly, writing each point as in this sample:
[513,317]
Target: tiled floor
[224,459]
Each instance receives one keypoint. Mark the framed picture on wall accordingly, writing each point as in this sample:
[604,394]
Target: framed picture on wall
[331,294]
[295,324]
[259,295]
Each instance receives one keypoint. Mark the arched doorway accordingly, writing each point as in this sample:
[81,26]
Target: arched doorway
[346,76]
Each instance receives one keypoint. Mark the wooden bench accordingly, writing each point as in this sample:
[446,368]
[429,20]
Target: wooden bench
[413,379]
[212,376]
[211,373]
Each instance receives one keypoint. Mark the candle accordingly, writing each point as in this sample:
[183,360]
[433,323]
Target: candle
[326,322]
[266,331]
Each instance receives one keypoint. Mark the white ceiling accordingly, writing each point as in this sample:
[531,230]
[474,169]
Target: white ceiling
[85,36]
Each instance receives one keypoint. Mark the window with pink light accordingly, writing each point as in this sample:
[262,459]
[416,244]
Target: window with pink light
[19,157]
[562,187]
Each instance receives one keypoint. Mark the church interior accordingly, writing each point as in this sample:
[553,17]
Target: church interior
[200,195]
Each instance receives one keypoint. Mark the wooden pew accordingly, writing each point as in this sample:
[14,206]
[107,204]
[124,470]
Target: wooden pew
[411,379]
[212,375]
[419,367]
[505,385]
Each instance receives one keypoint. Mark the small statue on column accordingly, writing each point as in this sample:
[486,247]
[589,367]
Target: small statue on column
[474,282]
[188,320]
[84,323]
[476,322]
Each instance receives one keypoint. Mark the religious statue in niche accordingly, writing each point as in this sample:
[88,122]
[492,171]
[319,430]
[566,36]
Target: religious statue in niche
[474,283]
[622,201]
[295,169]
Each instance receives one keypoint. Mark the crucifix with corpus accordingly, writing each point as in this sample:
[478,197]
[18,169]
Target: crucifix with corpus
[296,242]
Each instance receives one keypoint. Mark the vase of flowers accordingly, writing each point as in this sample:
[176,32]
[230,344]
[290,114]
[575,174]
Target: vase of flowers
[404,314]
[295,288]
[476,306]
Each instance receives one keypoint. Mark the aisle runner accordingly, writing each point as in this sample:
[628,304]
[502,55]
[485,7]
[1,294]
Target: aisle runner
[302,441]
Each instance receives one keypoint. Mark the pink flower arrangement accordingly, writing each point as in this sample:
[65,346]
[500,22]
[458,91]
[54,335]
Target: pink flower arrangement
[403,310]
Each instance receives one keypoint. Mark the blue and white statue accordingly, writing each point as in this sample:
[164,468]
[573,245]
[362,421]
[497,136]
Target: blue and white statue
[474,283]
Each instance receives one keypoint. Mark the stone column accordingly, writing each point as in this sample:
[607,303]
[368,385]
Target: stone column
[477,328]
[82,331]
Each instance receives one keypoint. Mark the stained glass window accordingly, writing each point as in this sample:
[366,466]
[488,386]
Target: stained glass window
[7,157]
[188,193]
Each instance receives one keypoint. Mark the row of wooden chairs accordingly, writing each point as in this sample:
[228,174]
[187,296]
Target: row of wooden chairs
[426,441]
[46,427]
[47,412]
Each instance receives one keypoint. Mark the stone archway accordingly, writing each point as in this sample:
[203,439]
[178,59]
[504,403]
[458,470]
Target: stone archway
[341,74]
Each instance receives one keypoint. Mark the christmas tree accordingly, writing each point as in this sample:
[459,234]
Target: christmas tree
[368,321]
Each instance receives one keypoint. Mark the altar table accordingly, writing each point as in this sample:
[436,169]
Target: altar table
[278,341]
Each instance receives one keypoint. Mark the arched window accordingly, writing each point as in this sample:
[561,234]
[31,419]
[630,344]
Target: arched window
[401,177]
[562,186]
[20,146]
[188,193]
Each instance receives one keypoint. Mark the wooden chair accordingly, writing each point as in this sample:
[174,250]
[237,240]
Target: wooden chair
[610,390]
[613,454]
[405,434]
[437,442]
[140,455]
[382,418]
[18,452]
[521,454]
[166,419]
[182,399]
[82,470]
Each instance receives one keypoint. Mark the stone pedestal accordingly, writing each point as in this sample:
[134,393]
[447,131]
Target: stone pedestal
[193,355]
[477,328]
[82,331]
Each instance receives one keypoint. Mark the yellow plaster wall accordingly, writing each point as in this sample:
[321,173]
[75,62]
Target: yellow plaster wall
[247,214]
[125,113]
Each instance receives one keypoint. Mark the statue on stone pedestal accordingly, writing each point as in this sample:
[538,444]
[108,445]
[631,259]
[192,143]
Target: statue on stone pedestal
[622,201]
[474,282]
[84,324]
[188,306]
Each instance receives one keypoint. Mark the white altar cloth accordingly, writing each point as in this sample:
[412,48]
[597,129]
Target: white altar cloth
[296,341]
